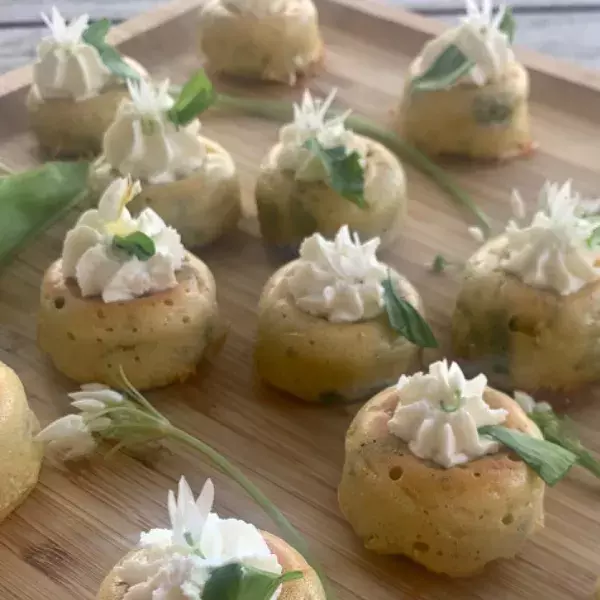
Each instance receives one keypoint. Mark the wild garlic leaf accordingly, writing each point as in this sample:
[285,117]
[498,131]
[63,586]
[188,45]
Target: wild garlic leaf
[194,98]
[445,71]
[31,200]
[136,244]
[594,239]
[405,319]
[95,35]
[439,264]
[239,582]
[508,25]
[549,460]
[344,169]
[562,432]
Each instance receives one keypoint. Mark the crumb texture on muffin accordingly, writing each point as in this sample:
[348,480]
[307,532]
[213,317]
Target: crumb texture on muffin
[487,122]
[545,340]
[316,360]
[20,456]
[157,339]
[307,588]
[452,521]
[290,210]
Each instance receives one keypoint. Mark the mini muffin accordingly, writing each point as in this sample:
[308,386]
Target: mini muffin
[220,541]
[480,111]
[74,96]
[125,294]
[296,194]
[189,180]
[20,456]
[272,40]
[419,480]
[530,299]
[323,331]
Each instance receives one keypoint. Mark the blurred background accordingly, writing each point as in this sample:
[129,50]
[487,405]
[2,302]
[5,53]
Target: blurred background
[557,27]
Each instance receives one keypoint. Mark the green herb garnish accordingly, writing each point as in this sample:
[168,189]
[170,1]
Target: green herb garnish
[562,433]
[594,239]
[439,264]
[239,582]
[136,244]
[452,64]
[195,97]
[549,460]
[344,171]
[405,319]
[31,200]
[95,35]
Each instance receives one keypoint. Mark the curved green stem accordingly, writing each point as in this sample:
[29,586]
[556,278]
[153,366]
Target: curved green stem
[289,533]
[283,111]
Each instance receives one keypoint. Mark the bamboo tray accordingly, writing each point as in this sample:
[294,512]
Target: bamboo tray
[79,522]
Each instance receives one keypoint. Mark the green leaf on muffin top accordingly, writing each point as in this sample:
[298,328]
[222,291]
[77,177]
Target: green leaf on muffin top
[550,461]
[345,171]
[136,244]
[452,64]
[95,35]
[194,98]
[239,582]
[405,319]
[594,239]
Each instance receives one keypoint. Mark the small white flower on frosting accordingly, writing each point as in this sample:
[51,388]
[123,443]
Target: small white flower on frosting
[311,121]
[439,413]
[553,251]
[67,67]
[340,279]
[176,563]
[477,234]
[88,255]
[479,38]
[142,141]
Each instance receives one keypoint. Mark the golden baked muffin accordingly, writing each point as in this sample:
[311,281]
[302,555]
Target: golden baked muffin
[75,95]
[219,542]
[466,94]
[271,40]
[321,176]
[189,180]
[20,456]
[529,298]
[323,329]
[126,294]
[419,480]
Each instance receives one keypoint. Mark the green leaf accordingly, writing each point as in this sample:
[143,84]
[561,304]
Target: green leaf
[439,264]
[405,319]
[550,461]
[195,97]
[136,244]
[95,36]
[562,432]
[96,33]
[508,25]
[345,173]
[445,71]
[31,200]
[594,239]
[239,582]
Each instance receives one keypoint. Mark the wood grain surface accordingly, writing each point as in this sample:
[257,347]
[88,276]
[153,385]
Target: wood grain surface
[79,522]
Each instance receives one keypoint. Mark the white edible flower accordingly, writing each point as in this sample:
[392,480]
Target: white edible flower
[188,516]
[517,205]
[66,34]
[70,437]
[150,100]
[439,413]
[477,234]
[340,279]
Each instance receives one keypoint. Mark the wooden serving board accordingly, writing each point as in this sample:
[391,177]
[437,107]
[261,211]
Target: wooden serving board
[79,522]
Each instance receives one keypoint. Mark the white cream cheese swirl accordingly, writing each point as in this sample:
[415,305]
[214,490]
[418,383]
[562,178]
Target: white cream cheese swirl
[66,66]
[89,257]
[553,251]
[338,280]
[479,38]
[439,413]
[142,142]
[310,121]
[175,563]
